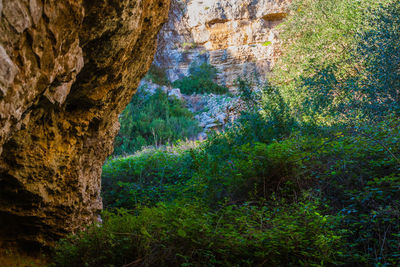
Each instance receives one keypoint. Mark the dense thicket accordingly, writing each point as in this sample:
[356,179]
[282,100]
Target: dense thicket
[153,119]
[201,79]
[308,176]
[340,60]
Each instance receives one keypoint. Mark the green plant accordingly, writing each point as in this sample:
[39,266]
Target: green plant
[180,234]
[358,174]
[146,178]
[187,46]
[327,199]
[267,43]
[157,75]
[153,120]
[331,70]
[201,80]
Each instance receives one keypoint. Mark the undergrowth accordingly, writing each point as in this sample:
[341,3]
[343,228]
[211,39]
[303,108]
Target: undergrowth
[153,120]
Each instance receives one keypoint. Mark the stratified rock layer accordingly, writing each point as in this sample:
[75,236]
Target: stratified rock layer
[67,69]
[236,36]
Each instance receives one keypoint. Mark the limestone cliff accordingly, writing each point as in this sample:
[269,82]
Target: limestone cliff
[67,69]
[236,36]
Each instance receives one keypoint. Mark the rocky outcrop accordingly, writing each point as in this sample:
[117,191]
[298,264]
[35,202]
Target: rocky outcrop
[214,112]
[67,69]
[236,36]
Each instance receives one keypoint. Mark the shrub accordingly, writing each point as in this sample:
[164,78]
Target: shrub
[179,234]
[314,200]
[146,178]
[331,70]
[157,75]
[201,80]
[358,174]
[238,173]
[355,171]
[153,120]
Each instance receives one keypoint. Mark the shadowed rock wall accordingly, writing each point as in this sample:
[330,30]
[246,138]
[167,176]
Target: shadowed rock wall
[67,69]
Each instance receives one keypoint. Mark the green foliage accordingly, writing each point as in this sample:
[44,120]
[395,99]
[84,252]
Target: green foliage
[358,173]
[379,49]
[247,93]
[179,234]
[187,46]
[146,178]
[341,67]
[355,171]
[153,120]
[267,43]
[266,118]
[221,169]
[340,60]
[238,173]
[201,80]
[322,200]
[157,75]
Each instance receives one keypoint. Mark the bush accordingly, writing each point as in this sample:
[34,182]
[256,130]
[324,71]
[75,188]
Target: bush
[157,75]
[332,70]
[314,200]
[354,171]
[239,173]
[358,174]
[179,234]
[146,178]
[201,80]
[153,120]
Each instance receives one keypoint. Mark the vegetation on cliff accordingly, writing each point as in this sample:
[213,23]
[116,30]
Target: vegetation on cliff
[308,176]
[201,79]
[153,119]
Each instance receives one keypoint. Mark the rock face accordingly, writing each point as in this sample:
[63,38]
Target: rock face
[67,69]
[214,112]
[236,36]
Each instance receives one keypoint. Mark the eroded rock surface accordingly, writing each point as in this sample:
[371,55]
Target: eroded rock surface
[236,36]
[67,69]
